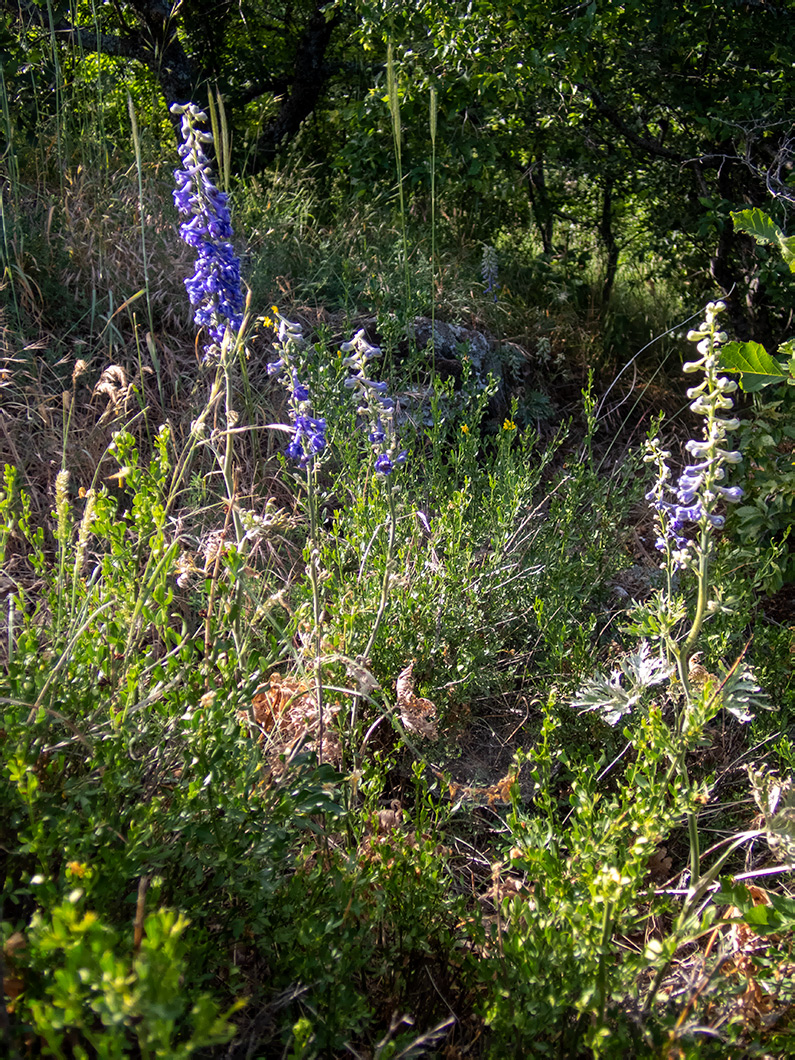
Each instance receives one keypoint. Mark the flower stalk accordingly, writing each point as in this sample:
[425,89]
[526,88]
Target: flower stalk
[697,495]
[375,407]
[699,490]
[215,288]
[378,413]
[307,443]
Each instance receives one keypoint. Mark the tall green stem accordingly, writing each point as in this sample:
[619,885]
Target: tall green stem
[394,108]
[433,107]
[684,656]
[390,549]
[317,609]
[387,574]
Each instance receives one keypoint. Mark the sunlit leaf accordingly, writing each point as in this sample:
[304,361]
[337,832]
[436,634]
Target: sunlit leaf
[756,366]
[758,224]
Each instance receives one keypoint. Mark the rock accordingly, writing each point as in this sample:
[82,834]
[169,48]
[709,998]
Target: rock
[452,343]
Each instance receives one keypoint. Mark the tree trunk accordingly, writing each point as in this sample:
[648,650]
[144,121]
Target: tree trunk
[609,242]
[539,200]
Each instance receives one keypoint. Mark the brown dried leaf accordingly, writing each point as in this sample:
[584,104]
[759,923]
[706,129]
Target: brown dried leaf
[286,714]
[497,792]
[660,865]
[269,703]
[417,714]
[112,383]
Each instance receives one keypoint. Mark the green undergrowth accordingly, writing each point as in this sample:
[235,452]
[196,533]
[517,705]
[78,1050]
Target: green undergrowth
[319,762]
[178,874]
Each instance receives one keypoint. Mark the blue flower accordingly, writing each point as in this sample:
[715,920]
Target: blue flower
[215,287]
[378,409]
[385,465]
[309,434]
[309,439]
[733,494]
[377,434]
[300,392]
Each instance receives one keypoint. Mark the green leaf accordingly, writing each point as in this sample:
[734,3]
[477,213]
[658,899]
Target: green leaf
[758,224]
[756,367]
[787,247]
[764,230]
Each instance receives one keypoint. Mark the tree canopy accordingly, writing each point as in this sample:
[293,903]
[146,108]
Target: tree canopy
[652,116]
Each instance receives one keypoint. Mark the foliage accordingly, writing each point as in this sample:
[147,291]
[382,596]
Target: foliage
[86,985]
[766,437]
[347,706]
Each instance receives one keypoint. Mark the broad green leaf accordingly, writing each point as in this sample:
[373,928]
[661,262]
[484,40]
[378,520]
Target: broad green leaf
[787,246]
[756,367]
[756,223]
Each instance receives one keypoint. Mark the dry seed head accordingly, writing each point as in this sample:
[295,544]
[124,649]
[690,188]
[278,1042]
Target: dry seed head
[62,504]
[85,528]
[112,383]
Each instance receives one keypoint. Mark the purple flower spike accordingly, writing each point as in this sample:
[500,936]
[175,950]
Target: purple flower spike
[374,405]
[697,493]
[215,287]
[309,432]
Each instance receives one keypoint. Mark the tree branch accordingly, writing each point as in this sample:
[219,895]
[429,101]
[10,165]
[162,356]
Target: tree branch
[646,144]
[310,75]
[157,46]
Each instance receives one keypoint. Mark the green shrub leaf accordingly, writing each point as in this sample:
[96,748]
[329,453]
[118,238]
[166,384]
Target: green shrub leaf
[758,224]
[756,366]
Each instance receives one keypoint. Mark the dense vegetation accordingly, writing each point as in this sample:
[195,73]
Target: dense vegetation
[397,647]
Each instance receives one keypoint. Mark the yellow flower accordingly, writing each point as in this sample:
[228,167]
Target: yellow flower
[77,868]
[464,428]
[509,425]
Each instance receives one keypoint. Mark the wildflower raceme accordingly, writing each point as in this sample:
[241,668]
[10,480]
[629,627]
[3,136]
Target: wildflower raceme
[698,491]
[309,433]
[215,287]
[374,405]
[694,501]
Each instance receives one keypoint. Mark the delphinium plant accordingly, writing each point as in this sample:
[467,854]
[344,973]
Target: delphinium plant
[695,501]
[699,491]
[596,862]
[215,288]
[306,445]
[308,442]
[216,291]
[309,433]
[378,413]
